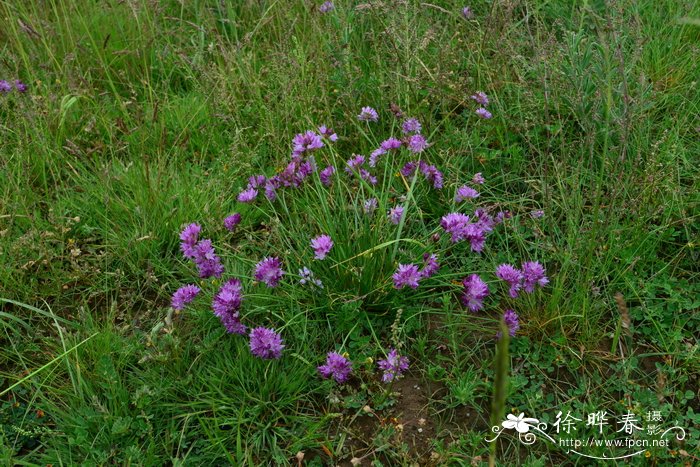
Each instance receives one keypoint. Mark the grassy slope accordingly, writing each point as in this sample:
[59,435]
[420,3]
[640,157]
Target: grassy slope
[142,116]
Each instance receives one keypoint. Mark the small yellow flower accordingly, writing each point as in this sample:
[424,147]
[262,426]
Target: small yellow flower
[369,360]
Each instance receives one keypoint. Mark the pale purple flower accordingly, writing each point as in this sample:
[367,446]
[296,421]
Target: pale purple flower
[354,163]
[533,274]
[455,224]
[271,190]
[430,265]
[432,174]
[475,290]
[510,318]
[326,175]
[336,366]
[391,143]
[207,261]
[478,179]
[5,87]
[307,141]
[325,7]
[465,192]
[483,113]
[395,214]
[256,181]
[417,143]
[393,366]
[183,296]
[370,206]
[467,13]
[266,343]
[328,133]
[406,275]
[269,271]
[513,276]
[248,195]
[188,239]
[374,156]
[307,277]
[20,86]
[411,125]
[537,214]
[322,246]
[481,98]
[232,221]
[226,304]
[368,177]
[368,114]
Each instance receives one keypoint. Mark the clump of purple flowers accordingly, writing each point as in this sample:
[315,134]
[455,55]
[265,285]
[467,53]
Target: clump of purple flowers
[537,214]
[430,172]
[430,265]
[475,291]
[265,343]
[513,276]
[417,143]
[322,246]
[200,251]
[386,146]
[226,304]
[5,87]
[336,366]
[531,274]
[368,114]
[183,296]
[269,271]
[327,132]
[232,221]
[393,366]
[478,179]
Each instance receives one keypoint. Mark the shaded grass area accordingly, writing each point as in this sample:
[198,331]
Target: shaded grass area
[143,116]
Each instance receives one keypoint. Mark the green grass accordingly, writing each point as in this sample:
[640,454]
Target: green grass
[142,117]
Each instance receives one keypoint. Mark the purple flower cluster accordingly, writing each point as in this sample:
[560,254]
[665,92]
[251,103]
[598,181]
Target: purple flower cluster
[537,214]
[393,366]
[410,275]
[269,271]
[322,246]
[326,174]
[266,343]
[465,192]
[430,172]
[411,126]
[183,296]
[460,227]
[368,114]
[478,179]
[475,291]
[200,251]
[232,221]
[336,366]
[326,132]
[532,273]
[512,321]
[417,143]
[226,304]
[325,7]
[6,87]
[386,146]
[354,165]
[483,100]
[483,113]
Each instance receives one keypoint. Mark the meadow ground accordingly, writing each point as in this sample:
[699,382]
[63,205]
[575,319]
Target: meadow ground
[143,116]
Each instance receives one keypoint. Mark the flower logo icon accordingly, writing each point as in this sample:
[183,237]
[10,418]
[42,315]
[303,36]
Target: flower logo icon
[520,423]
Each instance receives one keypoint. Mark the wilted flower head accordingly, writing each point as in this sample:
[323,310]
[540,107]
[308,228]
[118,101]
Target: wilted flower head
[327,132]
[326,175]
[475,290]
[537,214]
[465,192]
[188,239]
[481,98]
[510,318]
[232,221]
[478,179]
[325,7]
[467,13]
[393,366]
[411,125]
[430,265]
[226,304]
[407,275]
[183,296]
[307,277]
[395,214]
[322,246]
[455,224]
[370,206]
[513,276]
[368,114]
[483,113]
[336,366]
[269,271]
[5,87]
[265,343]
[417,143]
[533,274]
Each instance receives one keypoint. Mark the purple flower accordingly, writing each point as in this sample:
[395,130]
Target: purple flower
[393,366]
[417,143]
[232,221]
[455,224]
[406,275]
[208,263]
[370,206]
[354,163]
[304,142]
[307,277]
[375,156]
[465,192]
[476,235]
[256,181]
[271,190]
[327,132]
[326,175]
[189,237]
[183,296]
[368,177]
[478,179]
[20,86]
[475,290]
[409,169]
[537,214]
[391,143]
[510,318]
[467,13]
[395,214]
[483,220]
[322,246]
[513,276]
[502,215]
[226,304]
[481,98]
[265,343]
[269,271]
[430,266]
[5,87]
[411,125]
[337,366]
[483,113]
[432,174]
[533,274]
[368,114]
[247,195]
[326,7]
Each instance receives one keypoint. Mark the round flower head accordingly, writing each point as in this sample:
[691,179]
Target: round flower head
[232,221]
[533,274]
[326,174]
[481,98]
[513,276]
[265,343]
[393,366]
[183,296]
[368,114]
[411,125]
[188,239]
[336,366]
[327,132]
[20,86]
[465,192]
[322,246]
[406,275]
[455,224]
[5,87]
[325,7]
[207,261]
[304,142]
[483,113]
[467,13]
[417,143]
[269,271]
[248,195]
[395,214]
[432,174]
[226,304]
[475,290]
